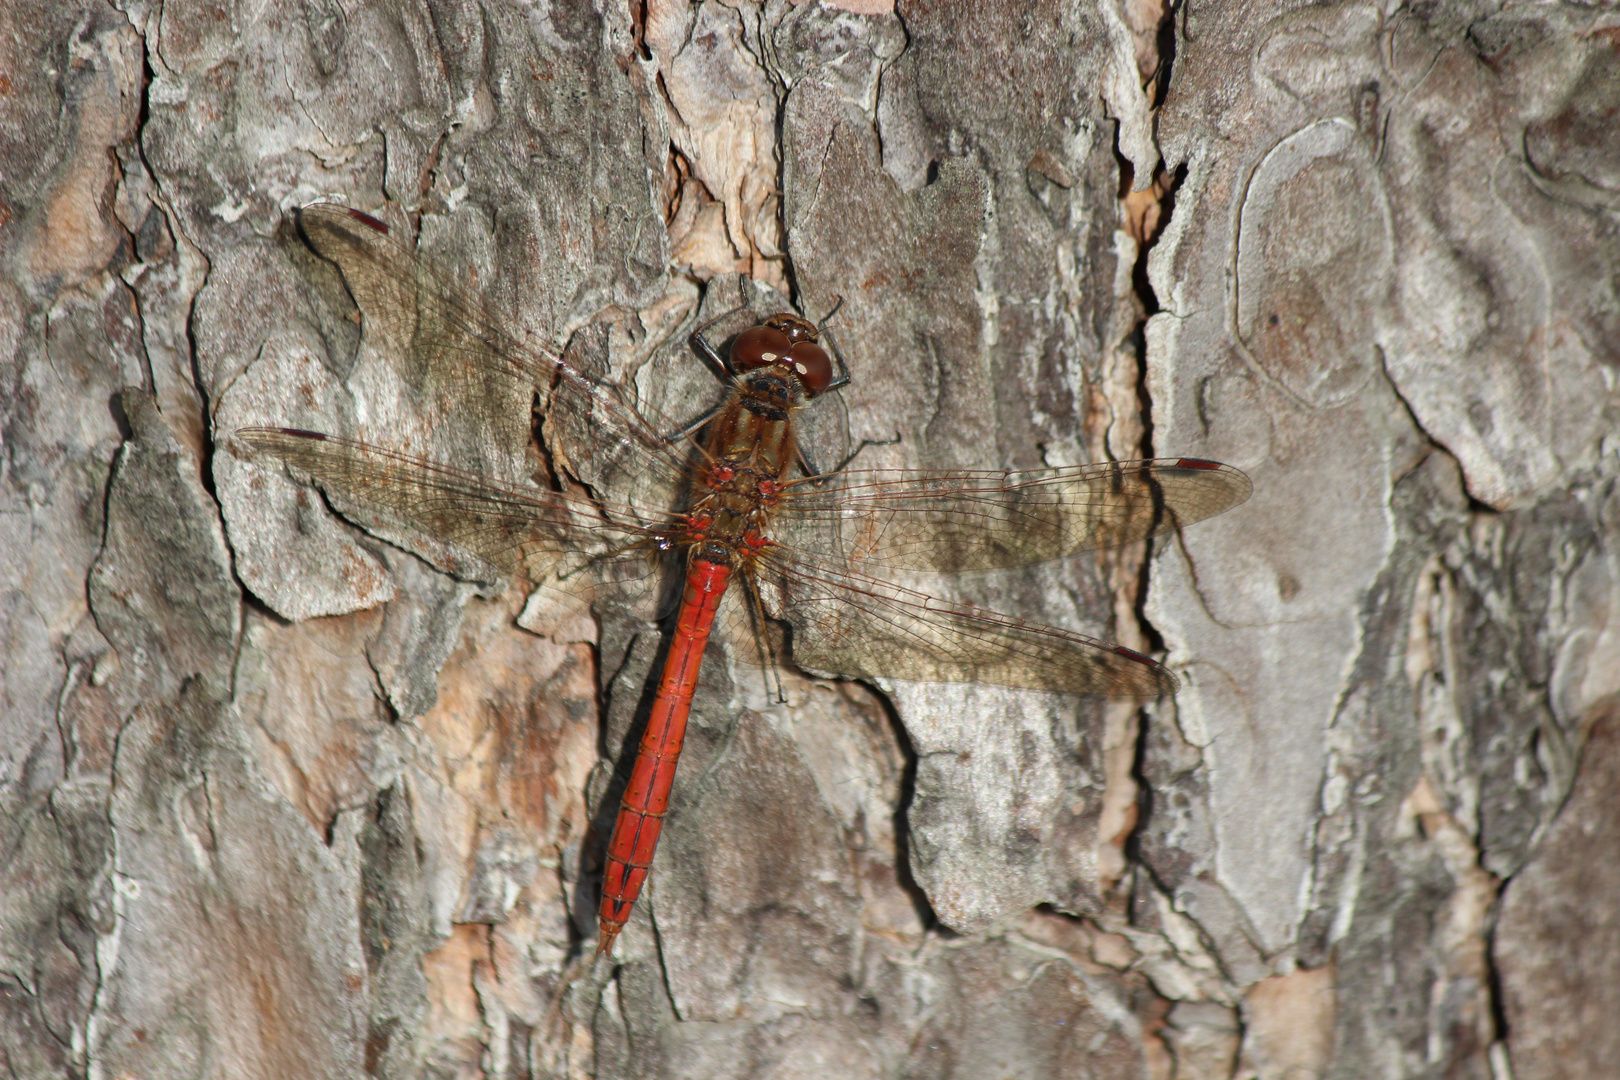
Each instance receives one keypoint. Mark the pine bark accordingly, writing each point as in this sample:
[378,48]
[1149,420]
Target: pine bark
[287,793]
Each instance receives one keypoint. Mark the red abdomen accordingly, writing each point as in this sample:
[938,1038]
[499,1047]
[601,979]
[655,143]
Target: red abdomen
[646,797]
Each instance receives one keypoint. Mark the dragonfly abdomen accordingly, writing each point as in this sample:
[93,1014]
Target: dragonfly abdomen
[646,796]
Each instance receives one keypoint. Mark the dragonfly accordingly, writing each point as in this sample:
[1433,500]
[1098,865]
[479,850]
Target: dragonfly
[731,498]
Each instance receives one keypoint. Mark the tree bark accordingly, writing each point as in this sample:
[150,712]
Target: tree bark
[289,793]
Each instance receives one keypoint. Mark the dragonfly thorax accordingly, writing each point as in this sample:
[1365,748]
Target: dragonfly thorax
[752,438]
[727,527]
[750,450]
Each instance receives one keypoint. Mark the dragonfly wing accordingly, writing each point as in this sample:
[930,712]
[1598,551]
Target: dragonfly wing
[859,626]
[954,520]
[541,532]
[446,344]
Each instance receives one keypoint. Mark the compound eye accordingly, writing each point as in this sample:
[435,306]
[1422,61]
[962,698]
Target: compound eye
[759,346]
[811,365]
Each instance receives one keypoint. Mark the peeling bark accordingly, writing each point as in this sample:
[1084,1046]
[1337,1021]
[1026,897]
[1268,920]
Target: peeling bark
[289,793]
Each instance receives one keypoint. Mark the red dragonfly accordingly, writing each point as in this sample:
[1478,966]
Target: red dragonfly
[820,552]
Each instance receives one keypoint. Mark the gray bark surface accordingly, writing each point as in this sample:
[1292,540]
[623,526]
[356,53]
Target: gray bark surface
[289,792]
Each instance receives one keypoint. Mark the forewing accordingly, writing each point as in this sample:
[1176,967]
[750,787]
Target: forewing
[954,520]
[447,344]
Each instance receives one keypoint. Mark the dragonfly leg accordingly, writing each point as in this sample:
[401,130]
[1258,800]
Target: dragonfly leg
[692,428]
[762,635]
[842,378]
[816,476]
[721,366]
[708,352]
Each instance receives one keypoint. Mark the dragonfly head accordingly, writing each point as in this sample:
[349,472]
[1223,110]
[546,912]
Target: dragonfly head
[788,342]
[796,328]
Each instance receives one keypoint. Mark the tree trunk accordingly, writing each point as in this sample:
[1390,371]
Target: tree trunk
[289,793]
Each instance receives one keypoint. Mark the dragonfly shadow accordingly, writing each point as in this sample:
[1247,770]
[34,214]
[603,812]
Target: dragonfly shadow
[631,672]
[901,820]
